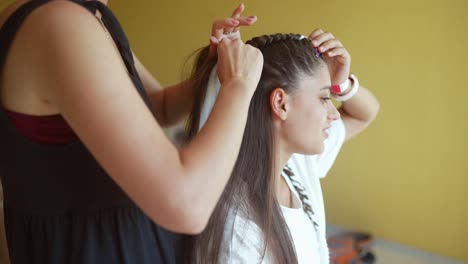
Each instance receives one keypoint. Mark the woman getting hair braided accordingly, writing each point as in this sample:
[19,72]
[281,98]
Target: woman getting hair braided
[272,209]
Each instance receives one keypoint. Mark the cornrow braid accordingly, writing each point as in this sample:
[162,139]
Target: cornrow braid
[265,41]
[286,57]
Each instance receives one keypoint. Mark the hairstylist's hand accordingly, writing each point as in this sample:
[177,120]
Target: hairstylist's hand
[338,58]
[239,62]
[229,27]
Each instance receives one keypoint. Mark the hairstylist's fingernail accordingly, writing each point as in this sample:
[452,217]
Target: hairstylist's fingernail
[235,22]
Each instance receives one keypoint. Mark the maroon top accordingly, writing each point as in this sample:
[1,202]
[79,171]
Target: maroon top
[46,130]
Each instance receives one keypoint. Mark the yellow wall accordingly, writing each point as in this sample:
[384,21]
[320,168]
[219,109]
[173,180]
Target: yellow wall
[404,179]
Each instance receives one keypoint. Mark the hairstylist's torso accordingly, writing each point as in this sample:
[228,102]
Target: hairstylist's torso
[76,202]
[60,205]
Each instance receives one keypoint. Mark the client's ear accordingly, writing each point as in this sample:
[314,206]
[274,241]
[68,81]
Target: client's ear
[279,104]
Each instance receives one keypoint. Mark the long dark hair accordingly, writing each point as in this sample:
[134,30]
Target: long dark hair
[251,187]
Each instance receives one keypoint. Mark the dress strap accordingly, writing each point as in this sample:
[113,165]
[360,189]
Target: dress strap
[120,39]
[116,31]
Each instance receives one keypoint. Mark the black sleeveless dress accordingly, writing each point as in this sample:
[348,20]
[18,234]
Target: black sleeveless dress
[60,206]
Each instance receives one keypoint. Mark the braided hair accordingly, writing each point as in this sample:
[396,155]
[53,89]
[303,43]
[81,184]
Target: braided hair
[264,41]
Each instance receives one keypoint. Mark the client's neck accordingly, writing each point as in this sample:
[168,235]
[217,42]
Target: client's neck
[283,193]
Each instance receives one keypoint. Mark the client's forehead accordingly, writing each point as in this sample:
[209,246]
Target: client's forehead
[318,81]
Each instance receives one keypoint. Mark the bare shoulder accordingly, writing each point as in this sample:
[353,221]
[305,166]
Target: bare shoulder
[53,14]
[53,33]
[51,28]
[61,8]
[61,17]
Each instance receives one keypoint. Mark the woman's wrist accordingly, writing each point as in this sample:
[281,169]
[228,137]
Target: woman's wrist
[241,84]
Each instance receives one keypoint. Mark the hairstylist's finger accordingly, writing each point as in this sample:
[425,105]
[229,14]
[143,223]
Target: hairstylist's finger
[222,26]
[214,42]
[236,14]
[318,40]
[315,33]
[222,43]
[330,44]
[245,21]
[339,52]
[238,11]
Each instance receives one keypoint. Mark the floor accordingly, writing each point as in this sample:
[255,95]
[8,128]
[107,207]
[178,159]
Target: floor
[388,252]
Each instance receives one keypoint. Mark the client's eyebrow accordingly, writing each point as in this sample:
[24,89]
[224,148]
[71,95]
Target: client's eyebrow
[326,88]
